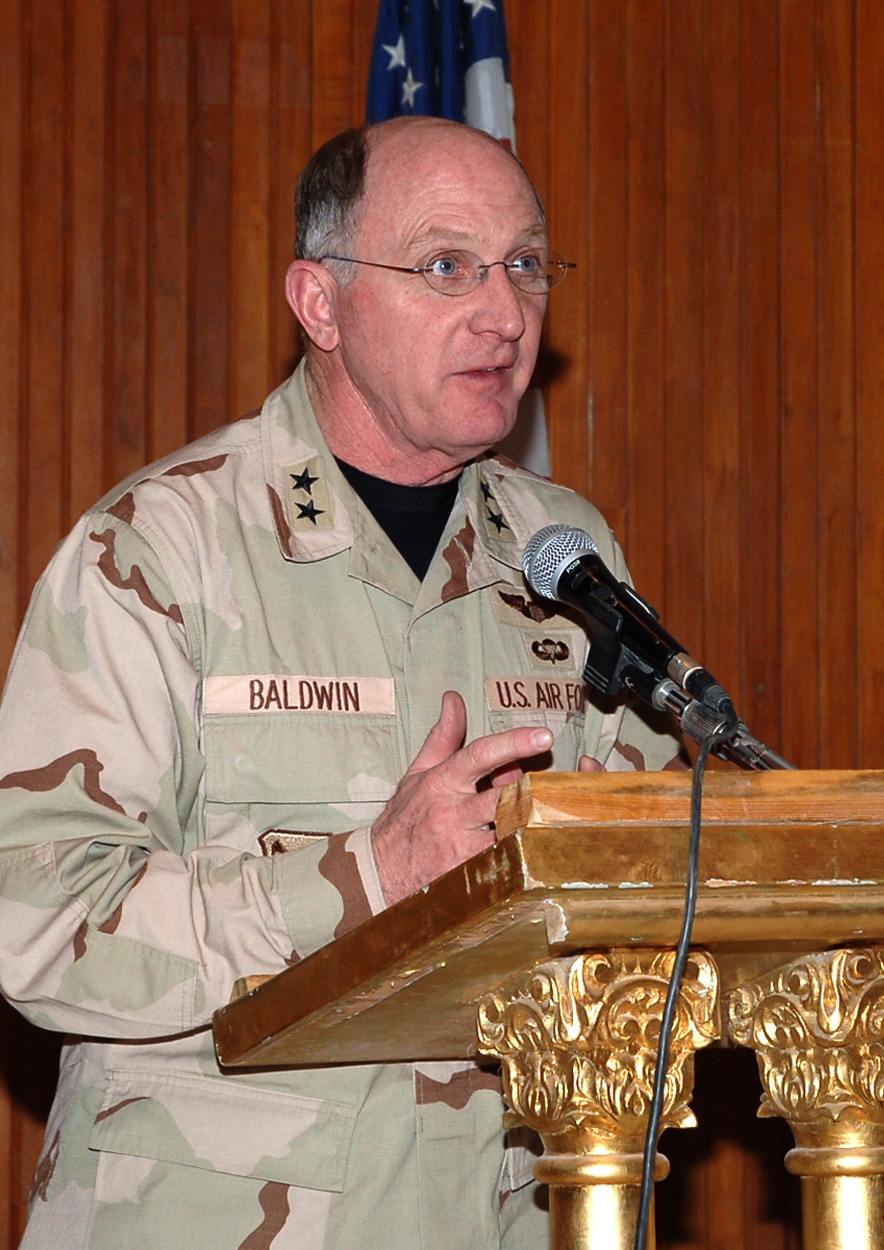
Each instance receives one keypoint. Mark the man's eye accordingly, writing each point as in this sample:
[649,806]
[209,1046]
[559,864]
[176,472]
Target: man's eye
[451,266]
[529,263]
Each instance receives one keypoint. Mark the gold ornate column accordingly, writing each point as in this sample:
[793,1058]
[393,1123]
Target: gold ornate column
[578,1039]
[817,1026]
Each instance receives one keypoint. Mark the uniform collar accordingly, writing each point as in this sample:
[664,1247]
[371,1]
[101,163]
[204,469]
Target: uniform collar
[317,514]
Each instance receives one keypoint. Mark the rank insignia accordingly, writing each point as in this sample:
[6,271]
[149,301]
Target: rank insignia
[308,497]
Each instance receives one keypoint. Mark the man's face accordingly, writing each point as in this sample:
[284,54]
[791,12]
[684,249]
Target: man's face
[440,376]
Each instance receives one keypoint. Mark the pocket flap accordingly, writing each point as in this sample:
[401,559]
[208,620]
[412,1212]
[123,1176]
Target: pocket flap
[272,759]
[204,1122]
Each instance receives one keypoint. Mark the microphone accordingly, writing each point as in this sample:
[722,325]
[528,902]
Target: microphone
[629,645]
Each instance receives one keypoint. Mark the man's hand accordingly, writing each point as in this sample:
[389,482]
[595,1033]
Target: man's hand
[439,815]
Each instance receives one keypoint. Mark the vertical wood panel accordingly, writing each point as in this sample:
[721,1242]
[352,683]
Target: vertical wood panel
[250,221]
[169,331]
[86,298]
[682,559]
[800,488]
[603,259]
[12,110]
[722,341]
[836,407]
[210,192]
[332,87]
[868,605]
[129,258]
[292,93]
[43,373]
[761,621]
[645,434]
[568,189]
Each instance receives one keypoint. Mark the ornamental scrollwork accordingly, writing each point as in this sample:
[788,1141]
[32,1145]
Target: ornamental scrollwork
[818,1029]
[578,1039]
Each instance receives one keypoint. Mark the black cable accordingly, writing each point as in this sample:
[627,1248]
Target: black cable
[721,734]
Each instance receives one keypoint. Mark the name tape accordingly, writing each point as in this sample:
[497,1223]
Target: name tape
[534,694]
[354,696]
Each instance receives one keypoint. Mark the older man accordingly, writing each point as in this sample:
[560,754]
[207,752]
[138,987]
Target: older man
[307,633]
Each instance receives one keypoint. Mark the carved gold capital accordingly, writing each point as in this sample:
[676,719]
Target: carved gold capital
[817,1026]
[578,1042]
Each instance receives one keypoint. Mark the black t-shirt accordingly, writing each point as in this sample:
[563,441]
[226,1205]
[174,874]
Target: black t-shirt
[412,517]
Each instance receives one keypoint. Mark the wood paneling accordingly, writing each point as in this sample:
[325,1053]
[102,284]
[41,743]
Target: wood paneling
[713,368]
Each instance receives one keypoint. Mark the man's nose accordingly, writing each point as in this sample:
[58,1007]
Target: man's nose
[498,305]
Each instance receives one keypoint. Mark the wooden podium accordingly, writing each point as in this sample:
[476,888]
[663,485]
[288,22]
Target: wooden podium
[552,951]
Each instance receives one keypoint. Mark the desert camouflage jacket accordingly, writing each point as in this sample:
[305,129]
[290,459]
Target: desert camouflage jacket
[228,645]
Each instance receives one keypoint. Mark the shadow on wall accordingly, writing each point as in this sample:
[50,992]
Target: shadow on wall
[740,1155]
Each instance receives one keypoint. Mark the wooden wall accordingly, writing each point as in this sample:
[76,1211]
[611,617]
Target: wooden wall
[714,367]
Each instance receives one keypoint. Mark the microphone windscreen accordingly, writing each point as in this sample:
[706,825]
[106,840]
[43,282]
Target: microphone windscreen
[548,550]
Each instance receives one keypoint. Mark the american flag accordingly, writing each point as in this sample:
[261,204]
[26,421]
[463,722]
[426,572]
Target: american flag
[443,58]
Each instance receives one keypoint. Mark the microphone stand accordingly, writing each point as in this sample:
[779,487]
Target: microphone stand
[699,722]
[612,664]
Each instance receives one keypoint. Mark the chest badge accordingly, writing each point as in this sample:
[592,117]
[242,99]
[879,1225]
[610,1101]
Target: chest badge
[551,650]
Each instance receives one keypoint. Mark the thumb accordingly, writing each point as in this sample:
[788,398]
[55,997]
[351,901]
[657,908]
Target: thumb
[446,736]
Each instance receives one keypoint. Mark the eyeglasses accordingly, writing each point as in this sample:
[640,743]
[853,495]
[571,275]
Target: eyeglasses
[458,273]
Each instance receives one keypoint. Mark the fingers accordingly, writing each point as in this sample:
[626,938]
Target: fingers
[586,764]
[497,753]
[446,736]
[463,767]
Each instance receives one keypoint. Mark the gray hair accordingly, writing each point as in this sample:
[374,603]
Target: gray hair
[329,193]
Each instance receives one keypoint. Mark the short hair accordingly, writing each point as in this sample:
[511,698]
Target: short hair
[329,193]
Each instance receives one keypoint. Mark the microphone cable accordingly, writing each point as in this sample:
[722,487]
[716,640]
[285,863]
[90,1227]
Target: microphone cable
[721,734]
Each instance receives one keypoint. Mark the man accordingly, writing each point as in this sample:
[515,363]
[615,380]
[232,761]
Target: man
[253,645]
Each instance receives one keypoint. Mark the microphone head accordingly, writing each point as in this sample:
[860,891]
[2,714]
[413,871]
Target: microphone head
[548,552]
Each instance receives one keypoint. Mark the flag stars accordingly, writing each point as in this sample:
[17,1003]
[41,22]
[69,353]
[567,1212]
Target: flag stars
[397,53]
[410,89]
[479,5]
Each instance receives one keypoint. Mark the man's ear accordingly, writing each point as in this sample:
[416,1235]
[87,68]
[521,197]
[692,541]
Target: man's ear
[310,290]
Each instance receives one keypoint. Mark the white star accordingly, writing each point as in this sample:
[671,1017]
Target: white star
[397,53]
[479,5]
[410,89]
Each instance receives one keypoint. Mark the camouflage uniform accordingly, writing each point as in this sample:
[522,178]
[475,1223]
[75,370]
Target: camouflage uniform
[226,645]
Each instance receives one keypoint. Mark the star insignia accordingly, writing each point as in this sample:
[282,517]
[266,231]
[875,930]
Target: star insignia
[410,89]
[486,492]
[397,53]
[496,519]
[308,511]
[479,5]
[303,481]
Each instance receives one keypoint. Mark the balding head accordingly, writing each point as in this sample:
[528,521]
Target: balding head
[334,181]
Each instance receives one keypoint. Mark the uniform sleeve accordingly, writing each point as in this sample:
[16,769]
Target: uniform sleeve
[116,917]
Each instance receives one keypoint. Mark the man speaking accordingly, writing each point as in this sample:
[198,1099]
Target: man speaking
[308,630]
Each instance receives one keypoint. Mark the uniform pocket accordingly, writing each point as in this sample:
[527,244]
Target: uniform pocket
[279,759]
[203,1122]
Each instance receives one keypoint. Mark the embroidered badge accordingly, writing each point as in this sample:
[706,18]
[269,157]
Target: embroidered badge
[308,497]
[534,694]
[511,606]
[551,650]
